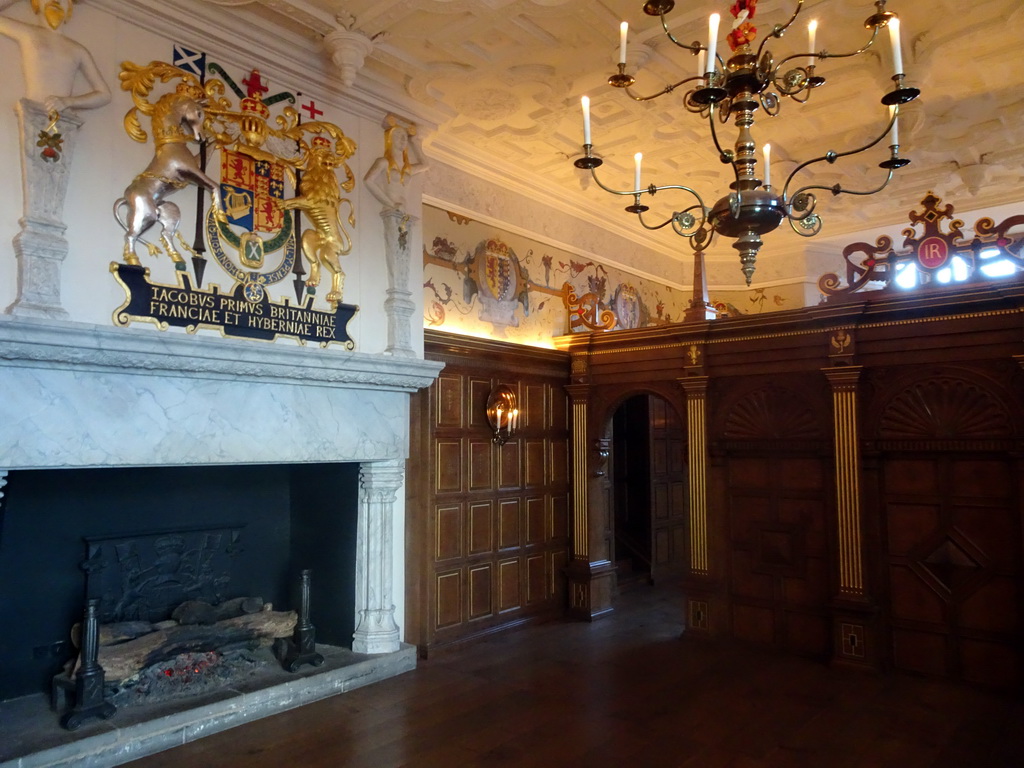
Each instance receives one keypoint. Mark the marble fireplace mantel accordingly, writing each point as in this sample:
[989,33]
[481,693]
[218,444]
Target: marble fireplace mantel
[87,396]
[80,395]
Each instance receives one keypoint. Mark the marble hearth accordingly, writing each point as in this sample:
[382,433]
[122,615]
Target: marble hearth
[78,396]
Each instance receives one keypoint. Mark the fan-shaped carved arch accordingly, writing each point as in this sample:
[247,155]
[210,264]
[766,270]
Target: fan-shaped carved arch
[771,413]
[944,408]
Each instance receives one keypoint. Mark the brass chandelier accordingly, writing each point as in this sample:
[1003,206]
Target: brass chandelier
[733,89]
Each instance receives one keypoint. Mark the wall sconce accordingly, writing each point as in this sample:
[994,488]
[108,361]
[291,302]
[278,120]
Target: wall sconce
[503,413]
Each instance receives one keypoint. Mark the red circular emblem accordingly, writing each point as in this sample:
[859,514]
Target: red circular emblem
[932,252]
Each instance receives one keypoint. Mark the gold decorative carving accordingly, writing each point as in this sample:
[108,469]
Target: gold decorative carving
[585,311]
[696,429]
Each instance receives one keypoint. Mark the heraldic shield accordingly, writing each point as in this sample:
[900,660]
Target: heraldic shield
[277,174]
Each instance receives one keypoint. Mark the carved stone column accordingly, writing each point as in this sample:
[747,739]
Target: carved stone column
[590,573]
[376,630]
[855,641]
[40,246]
[398,306]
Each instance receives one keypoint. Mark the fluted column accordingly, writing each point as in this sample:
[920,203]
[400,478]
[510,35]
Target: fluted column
[696,388]
[590,573]
[376,630]
[856,634]
[847,457]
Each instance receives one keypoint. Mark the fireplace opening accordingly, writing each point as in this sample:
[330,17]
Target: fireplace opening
[273,520]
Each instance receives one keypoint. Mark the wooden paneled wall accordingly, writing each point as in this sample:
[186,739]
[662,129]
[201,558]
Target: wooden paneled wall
[487,523]
[864,478]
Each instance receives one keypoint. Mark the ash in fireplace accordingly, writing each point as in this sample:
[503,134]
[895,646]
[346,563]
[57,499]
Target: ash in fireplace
[187,675]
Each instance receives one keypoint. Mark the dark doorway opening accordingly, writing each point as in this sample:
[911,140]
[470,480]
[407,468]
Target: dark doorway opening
[649,490]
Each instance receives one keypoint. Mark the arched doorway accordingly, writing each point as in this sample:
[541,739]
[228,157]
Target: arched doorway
[648,493]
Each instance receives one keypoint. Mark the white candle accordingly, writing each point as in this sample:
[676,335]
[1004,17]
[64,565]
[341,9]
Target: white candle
[637,157]
[498,420]
[712,40]
[623,30]
[767,165]
[701,58]
[894,132]
[812,30]
[894,38]
[585,101]
[515,421]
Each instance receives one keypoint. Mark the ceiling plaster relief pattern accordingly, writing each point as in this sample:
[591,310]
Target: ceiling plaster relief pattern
[504,96]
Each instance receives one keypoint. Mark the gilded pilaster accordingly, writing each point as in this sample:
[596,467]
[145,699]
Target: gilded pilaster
[847,456]
[590,574]
[697,456]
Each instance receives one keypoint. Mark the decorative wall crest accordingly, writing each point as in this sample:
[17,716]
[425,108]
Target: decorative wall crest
[930,250]
[253,226]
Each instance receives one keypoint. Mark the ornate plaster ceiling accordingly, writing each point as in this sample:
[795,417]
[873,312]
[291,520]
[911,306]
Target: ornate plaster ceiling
[502,81]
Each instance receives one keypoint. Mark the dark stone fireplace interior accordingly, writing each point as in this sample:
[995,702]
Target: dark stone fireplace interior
[285,517]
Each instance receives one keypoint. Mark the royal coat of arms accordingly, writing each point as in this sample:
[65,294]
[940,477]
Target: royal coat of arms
[277,210]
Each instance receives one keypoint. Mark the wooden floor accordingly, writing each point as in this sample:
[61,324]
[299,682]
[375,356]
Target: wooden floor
[628,691]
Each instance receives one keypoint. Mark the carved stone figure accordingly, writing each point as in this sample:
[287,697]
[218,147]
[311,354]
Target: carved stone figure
[320,198]
[387,177]
[386,180]
[51,62]
[52,65]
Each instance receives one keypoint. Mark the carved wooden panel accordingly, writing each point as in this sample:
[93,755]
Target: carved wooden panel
[480,464]
[487,525]
[944,408]
[559,452]
[481,527]
[536,463]
[536,507]
[508,467]
[660,498]
[448,590]
[559,517]
[536,410]
[508,524]
[479,391]
[953,543]
[772,413]
[448,542]
[509,593]
[480,590]
[536,579]
[559,406]
[449,465]
[779,552]
[449,401]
